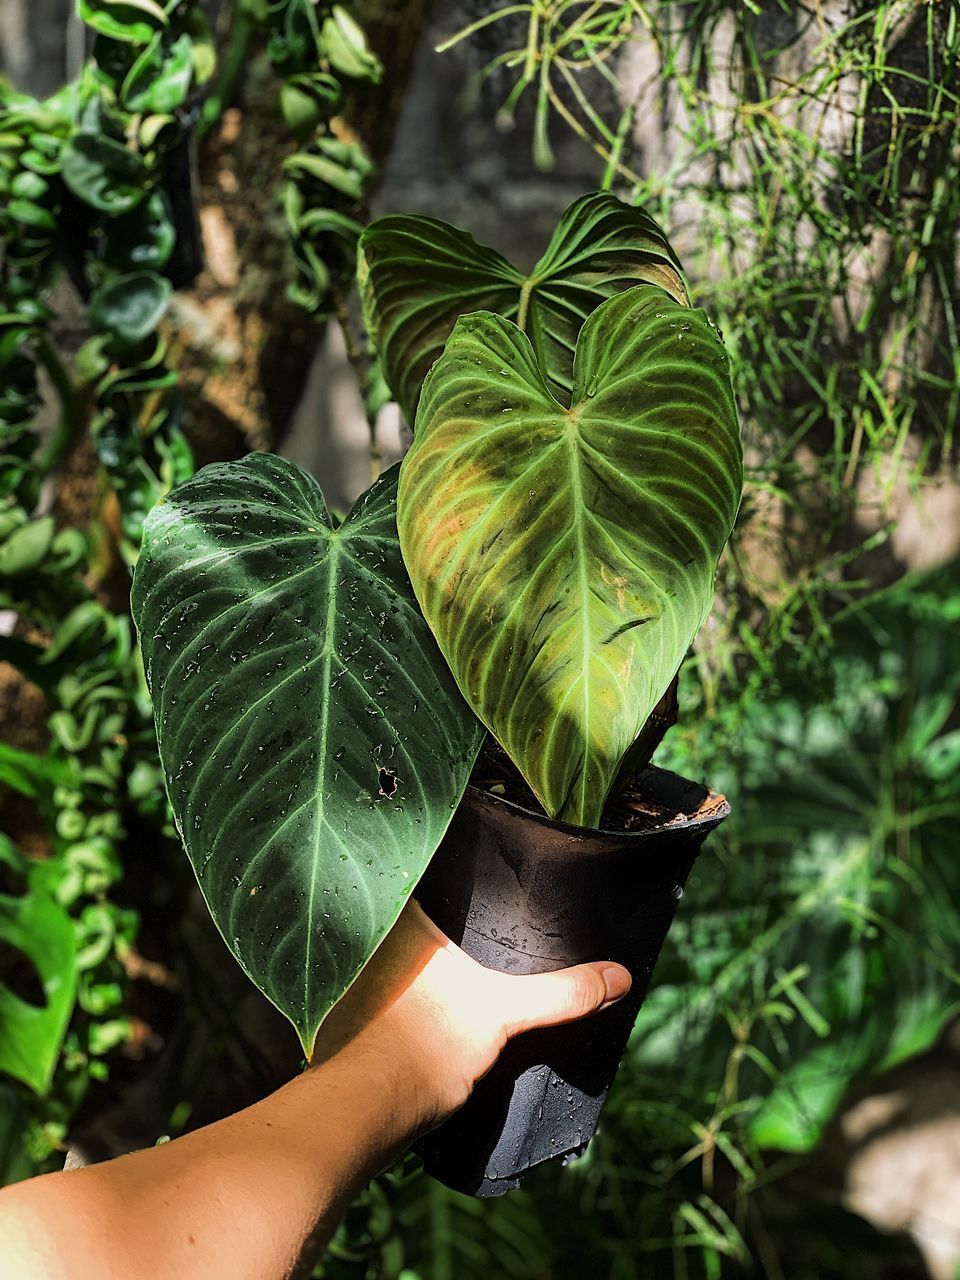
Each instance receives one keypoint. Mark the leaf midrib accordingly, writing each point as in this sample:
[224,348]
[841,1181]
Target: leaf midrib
[572,437]
[329,650]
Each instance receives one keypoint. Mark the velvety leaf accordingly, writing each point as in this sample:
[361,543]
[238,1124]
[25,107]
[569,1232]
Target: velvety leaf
[417,275]
[130,307]
[564,558]
[34,926]
[314,742]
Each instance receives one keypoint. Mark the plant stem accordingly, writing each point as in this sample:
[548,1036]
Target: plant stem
[70,415]
[524,304]
[234,65]
[360,363]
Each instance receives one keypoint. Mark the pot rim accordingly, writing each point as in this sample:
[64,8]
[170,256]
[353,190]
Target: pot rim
[712,810]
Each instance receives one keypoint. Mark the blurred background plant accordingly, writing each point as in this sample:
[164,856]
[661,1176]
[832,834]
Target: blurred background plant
[790,1104]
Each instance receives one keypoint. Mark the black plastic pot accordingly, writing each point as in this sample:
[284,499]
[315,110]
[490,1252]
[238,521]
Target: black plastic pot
[523,894]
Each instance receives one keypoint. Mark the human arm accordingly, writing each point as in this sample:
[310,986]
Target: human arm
[257,1193]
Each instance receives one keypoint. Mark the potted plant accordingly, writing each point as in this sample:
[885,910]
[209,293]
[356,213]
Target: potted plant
[536,567]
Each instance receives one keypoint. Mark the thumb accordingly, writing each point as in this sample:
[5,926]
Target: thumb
[546,999]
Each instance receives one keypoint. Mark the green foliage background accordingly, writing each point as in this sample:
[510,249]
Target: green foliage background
[818,939]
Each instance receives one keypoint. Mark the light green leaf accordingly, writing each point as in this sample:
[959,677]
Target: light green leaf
[29,186]
[133,21]
[564,558]
[160,79]
[345,46]
[417,275]
[27,546]
[34,925]
[323,169]
[31,774]
[31,215]
[313,740]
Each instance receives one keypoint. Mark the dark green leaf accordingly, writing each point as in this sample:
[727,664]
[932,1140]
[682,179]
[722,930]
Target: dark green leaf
[296,49]
[417,275]
[130,307]
[17,1161]
[144,238]
[564,558]
[104,173]
[313,740]
[88,621]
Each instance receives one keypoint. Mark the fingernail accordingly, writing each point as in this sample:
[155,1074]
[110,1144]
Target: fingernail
[616,980]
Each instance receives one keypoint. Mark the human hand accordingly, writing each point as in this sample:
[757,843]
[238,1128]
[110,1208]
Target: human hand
[249,1195]
[424,1005]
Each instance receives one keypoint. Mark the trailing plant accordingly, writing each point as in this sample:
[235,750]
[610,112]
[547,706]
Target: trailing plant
[316,48]
[96,185]
[321,53]
[308,713]
[67,937]
[91,182]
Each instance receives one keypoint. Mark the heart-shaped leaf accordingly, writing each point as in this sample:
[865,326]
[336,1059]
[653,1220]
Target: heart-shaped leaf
[417,275]
[565,557]
[314,742]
